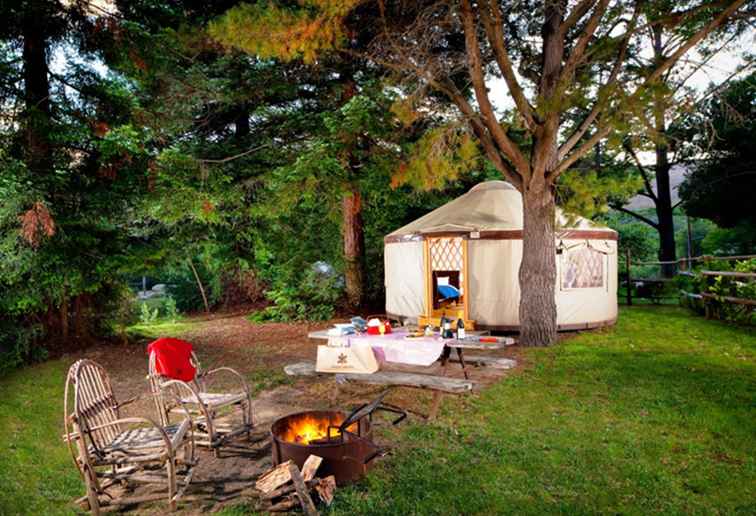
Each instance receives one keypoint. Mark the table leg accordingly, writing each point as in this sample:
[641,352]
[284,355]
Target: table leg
[462,361]
[445,356]
[438,395]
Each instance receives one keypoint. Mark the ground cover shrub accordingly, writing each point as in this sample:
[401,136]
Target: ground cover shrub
[19,344]
[313,298]
[725,286]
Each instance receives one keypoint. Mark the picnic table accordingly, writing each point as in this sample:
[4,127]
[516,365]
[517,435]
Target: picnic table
[422,351]
[419,351]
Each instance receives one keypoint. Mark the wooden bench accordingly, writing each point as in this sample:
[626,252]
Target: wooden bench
[390,378]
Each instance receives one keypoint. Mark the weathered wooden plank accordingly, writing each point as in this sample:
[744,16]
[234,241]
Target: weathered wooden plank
[396,378]
[730,274]
[399,379]
[492,362]
[729,299]
[417,381]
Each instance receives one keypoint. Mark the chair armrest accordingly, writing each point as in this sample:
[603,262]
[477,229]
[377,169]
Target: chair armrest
[178,400]
[233,372]
[194,394]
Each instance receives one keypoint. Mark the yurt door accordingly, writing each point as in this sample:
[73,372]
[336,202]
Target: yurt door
[446,279]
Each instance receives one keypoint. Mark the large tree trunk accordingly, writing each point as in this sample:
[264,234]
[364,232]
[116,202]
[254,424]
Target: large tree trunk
[664,214]
[38,156]
[538,315]
[666,224]
[354,244]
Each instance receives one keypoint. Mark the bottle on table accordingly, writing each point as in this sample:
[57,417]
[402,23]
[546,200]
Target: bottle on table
[446,331]
[460,328]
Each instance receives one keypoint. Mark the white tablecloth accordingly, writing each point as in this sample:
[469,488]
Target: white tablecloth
[393,347]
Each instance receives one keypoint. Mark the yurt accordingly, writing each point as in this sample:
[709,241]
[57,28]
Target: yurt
[463,260]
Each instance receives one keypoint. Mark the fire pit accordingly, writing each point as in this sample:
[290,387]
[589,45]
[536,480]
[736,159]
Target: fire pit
[343,441]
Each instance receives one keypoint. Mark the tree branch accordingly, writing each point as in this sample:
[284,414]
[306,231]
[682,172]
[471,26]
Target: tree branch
[475,69]
[577,13]
[638,216]
[492,21]
[600,104]
[642,169]
[581,151]
[236,156]
[578,50]
[692,41]
[601,132]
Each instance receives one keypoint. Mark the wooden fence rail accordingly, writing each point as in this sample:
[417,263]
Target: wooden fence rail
[729,274]
[659,282]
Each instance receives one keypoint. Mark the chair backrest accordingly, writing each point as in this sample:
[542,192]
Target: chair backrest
[173,358]
[94,403]
[156,379]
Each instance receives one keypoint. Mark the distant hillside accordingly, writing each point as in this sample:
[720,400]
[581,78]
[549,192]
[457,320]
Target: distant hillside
[676,177]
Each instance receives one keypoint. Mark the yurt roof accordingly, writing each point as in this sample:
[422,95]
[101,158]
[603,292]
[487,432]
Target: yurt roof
[489,206]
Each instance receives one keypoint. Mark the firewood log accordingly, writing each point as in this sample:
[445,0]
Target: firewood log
[274,477]
[308,507]
[325,489]
[310,467]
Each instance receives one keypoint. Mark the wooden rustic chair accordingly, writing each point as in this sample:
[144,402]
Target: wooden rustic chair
[112,451]
[218,416]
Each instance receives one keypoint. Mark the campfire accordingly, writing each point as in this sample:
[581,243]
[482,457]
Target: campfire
[344,442]
[312,427]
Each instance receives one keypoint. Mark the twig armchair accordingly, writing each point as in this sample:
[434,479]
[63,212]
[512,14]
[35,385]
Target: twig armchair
[218,416]
[110,451]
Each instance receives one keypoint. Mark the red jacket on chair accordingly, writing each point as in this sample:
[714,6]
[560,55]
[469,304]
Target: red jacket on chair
[173,358]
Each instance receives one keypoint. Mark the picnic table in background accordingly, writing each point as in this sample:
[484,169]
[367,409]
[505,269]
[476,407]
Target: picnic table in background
[417,351]
[423,351]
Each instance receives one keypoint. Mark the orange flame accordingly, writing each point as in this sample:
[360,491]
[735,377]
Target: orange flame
[309,428]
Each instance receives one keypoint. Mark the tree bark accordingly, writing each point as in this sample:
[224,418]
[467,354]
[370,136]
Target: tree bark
[38,155]
[199,285]
[663,201]
[664,214]
[354,244]
[64,318]
[538,315]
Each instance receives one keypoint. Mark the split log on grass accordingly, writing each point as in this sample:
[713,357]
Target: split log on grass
[310,467]
[492,362]
[308,507]
[325,489]
[275,477]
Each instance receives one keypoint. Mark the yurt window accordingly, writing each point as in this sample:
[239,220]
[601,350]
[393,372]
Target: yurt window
[447,273]
[582,268]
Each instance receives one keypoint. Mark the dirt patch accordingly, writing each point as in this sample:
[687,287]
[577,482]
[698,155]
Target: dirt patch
[259,352]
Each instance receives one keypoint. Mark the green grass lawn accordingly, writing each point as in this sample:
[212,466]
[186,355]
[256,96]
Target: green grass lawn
[655,415]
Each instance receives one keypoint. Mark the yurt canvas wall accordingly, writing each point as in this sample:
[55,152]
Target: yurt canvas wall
[489,219]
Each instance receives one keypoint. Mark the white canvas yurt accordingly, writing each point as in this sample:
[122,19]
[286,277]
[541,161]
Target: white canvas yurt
[463,259]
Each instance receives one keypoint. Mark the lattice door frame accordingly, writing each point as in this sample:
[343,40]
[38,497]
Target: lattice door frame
[458,258]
